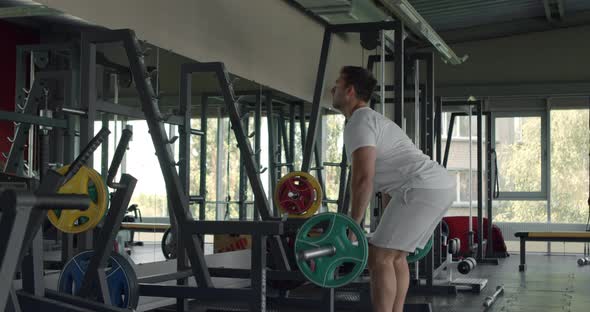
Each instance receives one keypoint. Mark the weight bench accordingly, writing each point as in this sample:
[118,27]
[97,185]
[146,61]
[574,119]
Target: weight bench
[578,237]
[145,227]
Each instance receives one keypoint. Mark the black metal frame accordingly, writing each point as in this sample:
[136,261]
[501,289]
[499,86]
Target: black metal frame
[33,294]
[483,256]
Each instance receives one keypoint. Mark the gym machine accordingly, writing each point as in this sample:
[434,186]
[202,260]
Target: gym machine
[483,250]
[85,277]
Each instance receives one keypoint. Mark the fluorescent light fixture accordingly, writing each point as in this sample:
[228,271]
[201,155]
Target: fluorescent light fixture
[405,12]
[411,14]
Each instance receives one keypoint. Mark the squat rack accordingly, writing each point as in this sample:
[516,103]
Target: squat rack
[487,256]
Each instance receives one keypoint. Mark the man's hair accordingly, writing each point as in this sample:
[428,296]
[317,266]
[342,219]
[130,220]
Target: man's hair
[361,79]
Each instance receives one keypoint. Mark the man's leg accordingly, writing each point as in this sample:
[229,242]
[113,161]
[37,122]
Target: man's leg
[383,278]
[402,275]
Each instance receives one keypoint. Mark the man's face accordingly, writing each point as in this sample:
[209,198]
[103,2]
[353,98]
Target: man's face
[341,94]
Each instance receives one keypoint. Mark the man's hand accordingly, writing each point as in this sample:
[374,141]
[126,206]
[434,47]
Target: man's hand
[351,236]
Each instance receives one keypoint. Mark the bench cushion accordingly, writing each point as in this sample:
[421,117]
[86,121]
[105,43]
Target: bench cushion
[578,234]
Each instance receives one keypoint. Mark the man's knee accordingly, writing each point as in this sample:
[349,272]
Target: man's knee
[400,256]
[378,257]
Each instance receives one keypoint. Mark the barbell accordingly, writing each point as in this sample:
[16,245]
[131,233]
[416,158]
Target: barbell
[323,248]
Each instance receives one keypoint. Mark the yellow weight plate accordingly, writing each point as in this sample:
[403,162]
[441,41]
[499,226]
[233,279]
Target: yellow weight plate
[299,189]
[86,181]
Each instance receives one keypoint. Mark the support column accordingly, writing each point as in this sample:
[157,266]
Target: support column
[399,74]
[316,107]
[480,228]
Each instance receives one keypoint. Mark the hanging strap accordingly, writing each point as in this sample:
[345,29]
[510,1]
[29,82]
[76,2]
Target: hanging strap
[496,192]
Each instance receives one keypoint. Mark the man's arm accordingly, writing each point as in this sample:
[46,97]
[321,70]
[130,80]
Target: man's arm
[363,171]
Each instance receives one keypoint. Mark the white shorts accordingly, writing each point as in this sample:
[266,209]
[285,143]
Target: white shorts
[411,217]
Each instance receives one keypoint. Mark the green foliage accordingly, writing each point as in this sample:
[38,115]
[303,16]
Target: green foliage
[569,170]
[230,170]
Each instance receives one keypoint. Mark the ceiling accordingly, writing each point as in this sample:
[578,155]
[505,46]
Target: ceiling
[468,20]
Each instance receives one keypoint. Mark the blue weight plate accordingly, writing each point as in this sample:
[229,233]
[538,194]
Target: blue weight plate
[121,278]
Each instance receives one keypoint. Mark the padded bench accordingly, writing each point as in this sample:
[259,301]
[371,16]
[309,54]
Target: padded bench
[145,227]
[579,237]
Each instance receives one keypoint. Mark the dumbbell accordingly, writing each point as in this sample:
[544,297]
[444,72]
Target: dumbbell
[584,261]
[466,265]
[489,300]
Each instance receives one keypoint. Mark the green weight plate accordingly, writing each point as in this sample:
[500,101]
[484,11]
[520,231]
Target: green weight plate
[322,271]
[420,253]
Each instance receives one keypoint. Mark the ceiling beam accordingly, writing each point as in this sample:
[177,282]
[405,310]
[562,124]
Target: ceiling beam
[513,28]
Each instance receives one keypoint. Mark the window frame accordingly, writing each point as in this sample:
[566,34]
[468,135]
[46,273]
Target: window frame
[542,194]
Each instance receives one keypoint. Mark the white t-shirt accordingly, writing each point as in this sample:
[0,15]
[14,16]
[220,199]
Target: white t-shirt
[399,163]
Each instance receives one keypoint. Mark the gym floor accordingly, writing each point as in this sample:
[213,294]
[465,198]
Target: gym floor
[551,283]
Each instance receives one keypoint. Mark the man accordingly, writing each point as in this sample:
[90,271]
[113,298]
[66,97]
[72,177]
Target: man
[417,191]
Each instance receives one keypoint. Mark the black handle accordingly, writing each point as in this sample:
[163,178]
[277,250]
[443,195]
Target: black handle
[118,157]
[14,198]
[86,153]
[62,201]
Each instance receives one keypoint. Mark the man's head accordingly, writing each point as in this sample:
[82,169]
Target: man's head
[354,87]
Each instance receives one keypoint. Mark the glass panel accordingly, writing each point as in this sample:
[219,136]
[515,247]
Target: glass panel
[464,187]
[518,147]
[195,164]
[332,182]
[142,163]
[520,211]
[570,145]
[211,162]
[334,131]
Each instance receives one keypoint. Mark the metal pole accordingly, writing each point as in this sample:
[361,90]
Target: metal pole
[383,84]
[272,153]
[87,104]
[418,113]
[449,139]
[480,229]
[398,73]
[292,135]
[203,159]
[184,173]
[243,213]
[430,104]
[257,144]
[342,182]
[286,144]
[438,128]
[489,184]
[220,191]
[471,240]
[302,124]
[317,96]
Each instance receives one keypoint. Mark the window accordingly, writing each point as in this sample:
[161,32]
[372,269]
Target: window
[460,128]
[462,190]
[520,211]
[519,142]
[570,147]
[333,142]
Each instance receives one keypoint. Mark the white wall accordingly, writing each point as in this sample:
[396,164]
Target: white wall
[553,62]
[267,41]
[272,43]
